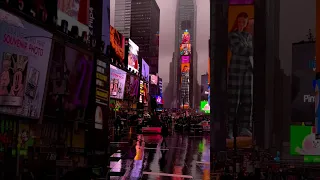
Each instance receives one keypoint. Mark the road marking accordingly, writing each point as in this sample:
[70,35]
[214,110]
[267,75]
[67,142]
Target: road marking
[119,142]
[166,174]
[202,162]
[155,149]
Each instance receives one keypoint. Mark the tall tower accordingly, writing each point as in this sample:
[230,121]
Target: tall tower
[122,18]
[185,28]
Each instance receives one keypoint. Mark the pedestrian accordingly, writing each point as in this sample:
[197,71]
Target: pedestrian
[164,134]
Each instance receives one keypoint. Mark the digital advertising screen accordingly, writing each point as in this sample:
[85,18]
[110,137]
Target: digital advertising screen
[24,66]
[141,92]
[106,26]
[303,75]
[205,106]
[185,80]
[76,13]
[117,46]
[159,100]
[70,76]
[117,82]
[132,87]
[133,61]
[145,93]
[185,38]
[185,59]
[145,70]
[185,49]
[240,26]
[303,141]
[154,79]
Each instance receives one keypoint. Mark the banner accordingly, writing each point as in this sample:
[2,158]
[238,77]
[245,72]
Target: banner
[240,76]
[117,82]
[185,49]
[185,38]
[145,70]
[303,74]
[185,80]
[185,59]
[24,52]
[69,82]
[303,141]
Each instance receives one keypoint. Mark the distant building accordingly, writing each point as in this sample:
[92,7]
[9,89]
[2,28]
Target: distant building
[122,18]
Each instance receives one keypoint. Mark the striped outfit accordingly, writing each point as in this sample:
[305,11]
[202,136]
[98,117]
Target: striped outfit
[240,80]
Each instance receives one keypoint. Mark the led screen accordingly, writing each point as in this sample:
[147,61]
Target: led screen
[159,100]
[154,79]
[141,92]
[185,80]
[240,27]
[70,75]
[303,141]
[185,59]
[132,87]
[205,106]
[145,93]
[303,74]
[145,70]
[23,67]
[185,49]
[186,38]
[133,62]
[117,43]
[117,82]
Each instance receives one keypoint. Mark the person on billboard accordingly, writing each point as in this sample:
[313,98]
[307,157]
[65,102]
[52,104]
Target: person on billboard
[240,76]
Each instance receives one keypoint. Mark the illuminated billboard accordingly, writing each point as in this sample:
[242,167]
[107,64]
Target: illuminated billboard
[117,42]
[117,82]
[133,62]
[154,79]
[185,59]
[204,106]
[185,80]
[185,49]
[186,38]
[303,141]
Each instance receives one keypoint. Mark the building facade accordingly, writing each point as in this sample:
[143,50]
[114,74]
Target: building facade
[122,17]
[144,30]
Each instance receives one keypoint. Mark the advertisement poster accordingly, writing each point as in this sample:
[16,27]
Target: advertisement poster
[185,38]
[117,43]
[240,76]
[159,100]
[69,82]
[102,92]
[160,87]
[76,13]
[145,70]
[303,141]
[185,49]
[133,61]
[303,74]
[185,59]
[141,92]
[132,88]
[24,64]
[145,93]
[154,79]
[106,26]
[185,80]
[205,106]
[117,82]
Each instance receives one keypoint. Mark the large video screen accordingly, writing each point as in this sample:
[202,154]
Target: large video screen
[303,141]
[70,76]
[145,93]
[24,65]
[145,70]
[117,43]
[185,49]
[303,75]
[76,13]
[132,87]
[240,27]
[205,106]
[117,82]
[133,61]
[185,38]
[185,80]
[154,79]
[185,59]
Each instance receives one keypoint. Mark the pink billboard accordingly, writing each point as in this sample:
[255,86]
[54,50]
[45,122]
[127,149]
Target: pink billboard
[185,59]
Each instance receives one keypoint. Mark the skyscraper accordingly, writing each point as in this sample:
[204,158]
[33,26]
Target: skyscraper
[144,30]
[122,17]
[185,25]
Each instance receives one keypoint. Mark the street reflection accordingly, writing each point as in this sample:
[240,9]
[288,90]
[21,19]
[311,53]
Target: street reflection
[138,159]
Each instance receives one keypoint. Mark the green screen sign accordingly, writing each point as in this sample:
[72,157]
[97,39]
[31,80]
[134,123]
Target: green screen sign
[303,142]
[204,106]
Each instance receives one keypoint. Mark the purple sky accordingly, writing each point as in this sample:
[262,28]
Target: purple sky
[167,30]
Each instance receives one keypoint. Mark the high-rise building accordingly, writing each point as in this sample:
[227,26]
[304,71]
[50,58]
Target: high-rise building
[185,26]
[122,16]
[144,30]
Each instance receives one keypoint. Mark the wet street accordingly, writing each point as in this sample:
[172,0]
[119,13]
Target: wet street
[179,157]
